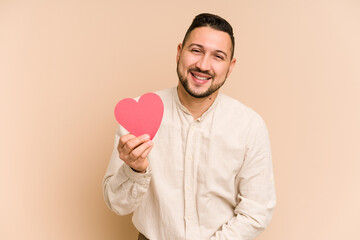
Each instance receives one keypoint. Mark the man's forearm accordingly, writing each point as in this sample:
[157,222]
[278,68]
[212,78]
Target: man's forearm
[251,219]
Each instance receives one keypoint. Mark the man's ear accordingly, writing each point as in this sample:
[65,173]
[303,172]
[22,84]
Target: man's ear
[179,48]
[232,64]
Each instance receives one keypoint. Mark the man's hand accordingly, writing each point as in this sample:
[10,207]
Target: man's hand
[134,151]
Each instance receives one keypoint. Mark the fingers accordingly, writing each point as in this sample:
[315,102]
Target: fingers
[140,151]
[140,165]
[147,151]
[124,139]
[129,142]
[134,150]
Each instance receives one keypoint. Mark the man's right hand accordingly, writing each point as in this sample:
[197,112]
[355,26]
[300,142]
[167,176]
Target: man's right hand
[134,151]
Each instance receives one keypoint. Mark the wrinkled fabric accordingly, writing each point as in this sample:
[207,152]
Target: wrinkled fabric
[208,178]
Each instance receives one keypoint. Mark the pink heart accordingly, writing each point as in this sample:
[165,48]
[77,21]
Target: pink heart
[142,117]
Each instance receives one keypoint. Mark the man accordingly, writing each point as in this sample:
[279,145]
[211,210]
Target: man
[207,174]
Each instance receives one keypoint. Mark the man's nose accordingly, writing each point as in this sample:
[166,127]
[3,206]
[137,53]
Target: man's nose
[204,63]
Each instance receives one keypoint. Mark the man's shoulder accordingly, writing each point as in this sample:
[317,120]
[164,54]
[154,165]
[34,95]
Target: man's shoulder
[238,109]
[164,93]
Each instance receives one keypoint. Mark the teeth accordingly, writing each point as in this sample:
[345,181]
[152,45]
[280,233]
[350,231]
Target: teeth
[200,78]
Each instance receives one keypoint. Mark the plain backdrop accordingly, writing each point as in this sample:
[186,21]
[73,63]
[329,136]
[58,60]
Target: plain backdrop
[65,64]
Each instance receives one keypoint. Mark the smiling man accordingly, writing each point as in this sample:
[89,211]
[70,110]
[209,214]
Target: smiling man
[207,174]
[204,64]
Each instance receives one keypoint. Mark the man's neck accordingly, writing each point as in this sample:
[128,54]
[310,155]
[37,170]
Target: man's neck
[196,106]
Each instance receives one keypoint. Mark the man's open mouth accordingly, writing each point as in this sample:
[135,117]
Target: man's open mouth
[200,76]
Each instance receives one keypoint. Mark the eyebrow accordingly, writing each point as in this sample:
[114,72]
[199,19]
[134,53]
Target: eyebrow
[202,47]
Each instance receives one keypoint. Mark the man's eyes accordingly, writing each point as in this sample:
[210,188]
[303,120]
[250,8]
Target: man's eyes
[220,57]
[198,51]
[195,50]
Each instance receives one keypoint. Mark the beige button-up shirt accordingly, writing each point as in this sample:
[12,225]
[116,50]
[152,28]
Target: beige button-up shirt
[209,178]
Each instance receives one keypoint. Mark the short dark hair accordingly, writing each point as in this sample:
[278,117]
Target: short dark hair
[213,21]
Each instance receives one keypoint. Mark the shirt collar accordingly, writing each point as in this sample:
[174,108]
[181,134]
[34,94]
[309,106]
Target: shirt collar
[186,111]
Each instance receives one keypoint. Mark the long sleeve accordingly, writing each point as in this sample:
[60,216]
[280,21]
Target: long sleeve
[256,190]
[209,178]
[123,188]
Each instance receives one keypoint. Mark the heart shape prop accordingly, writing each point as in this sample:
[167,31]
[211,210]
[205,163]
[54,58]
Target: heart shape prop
[142,117]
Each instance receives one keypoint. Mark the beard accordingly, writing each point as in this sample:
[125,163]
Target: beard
[185,83]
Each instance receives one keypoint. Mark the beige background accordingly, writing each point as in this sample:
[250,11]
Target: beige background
[65,64]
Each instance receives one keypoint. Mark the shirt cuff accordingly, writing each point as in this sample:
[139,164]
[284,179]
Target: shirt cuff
[137,177]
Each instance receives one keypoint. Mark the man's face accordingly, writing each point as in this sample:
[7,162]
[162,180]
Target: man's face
[204,62]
